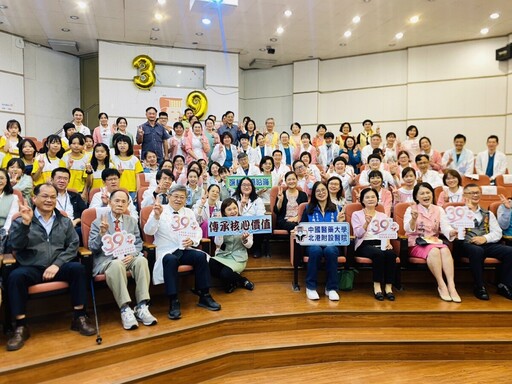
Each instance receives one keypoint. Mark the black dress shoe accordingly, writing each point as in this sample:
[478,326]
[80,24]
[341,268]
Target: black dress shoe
[230,288]
[481,293]
[249,285]
[390,296]
[83,325]
[505,291]
[206,301]
[379,296]
[175,310]
[17,340]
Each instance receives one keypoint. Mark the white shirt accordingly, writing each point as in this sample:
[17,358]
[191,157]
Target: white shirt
[64,204]
[500,163]
[97,203]
[431,177]
[167,240]
[46,224]
[463,164]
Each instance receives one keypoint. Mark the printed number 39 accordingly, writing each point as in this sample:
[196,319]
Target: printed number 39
[146,67]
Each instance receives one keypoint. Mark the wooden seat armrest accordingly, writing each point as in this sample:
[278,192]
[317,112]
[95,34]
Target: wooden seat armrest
[84,252]
[148,246]
[8,259]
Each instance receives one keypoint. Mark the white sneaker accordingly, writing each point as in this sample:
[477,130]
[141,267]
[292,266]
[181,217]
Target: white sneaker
[143,315]
[332,294]
[312,294]
[128,319]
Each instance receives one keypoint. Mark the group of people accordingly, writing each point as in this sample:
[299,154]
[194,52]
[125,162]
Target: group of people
[187,166]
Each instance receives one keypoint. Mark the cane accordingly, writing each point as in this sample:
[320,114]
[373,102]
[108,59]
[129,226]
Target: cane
[98,337]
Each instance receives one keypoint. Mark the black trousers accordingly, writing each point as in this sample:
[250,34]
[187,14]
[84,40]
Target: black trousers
[197,259]
[288,225]
[226,274]
[477,255]
[384,262]
[24,276]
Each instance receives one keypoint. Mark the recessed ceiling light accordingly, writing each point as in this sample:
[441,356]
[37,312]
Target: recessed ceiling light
[156,29]
[392,44]
[82,4]
[356,19]
[65,29]
[343,44]
[494,15]
[153,38]
[3,6]
[178,85]
[414,19]
[484,31]
[74,17]
[158,16]
[310,57]
[1,22]
[273,39]
[366,1]
[263,49]
[195,43]
[199,33]
[279,30]
[161,2]
[288,13]
[206,21]
[399,35]
[347,34]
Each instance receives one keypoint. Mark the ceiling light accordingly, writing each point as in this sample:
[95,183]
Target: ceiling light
[366,1]
[82,5]
[161,2]
[343,44]
[414,19]
[494,15]
[399,35]
[279,30]
[74,17]
[195,43]
[484,31]
[153,38]
[3,6]
[356,19]
[65,29]
[155,29]
[199,33]
[288,13]
[263,49]
[206,21]
[347,34]
[273,39]
[158,16]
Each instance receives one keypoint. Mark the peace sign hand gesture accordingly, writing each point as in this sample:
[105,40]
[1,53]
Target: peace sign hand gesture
[103,225]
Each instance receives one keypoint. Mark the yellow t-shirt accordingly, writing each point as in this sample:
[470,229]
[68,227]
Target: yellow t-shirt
[77,170]
[50,163]
[97,181]
[8,154]
[128,167]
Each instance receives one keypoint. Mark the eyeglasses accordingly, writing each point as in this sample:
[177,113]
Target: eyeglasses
[47,197]
[300,167]
[178,197]
[472,193]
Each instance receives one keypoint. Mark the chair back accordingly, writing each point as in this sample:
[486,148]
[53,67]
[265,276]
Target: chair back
[491,194]
[144,216]
[143,180]
[140,193]
[354,207]
[273,200]
[481,180]
[88,216]
[502,181]
[92,192]
[398,215]
[493,207]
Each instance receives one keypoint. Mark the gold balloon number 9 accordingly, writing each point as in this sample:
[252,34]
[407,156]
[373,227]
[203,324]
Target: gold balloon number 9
[198,102]
[146,68]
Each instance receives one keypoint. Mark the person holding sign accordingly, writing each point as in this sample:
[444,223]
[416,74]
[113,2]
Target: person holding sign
[483,241]
[108,232]
[176,231]
[423,222]
[231,254]
[252,205]
[367,223]
[321,209]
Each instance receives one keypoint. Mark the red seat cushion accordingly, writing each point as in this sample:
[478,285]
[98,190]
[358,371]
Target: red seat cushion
[47,287]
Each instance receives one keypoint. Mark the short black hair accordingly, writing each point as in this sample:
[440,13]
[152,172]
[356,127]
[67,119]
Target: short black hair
[107,172]
[151,108]
[329,135]
[367,121]
[60,169]
[77,110]
[423,185]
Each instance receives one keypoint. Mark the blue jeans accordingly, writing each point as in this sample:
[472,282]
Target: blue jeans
[315,253]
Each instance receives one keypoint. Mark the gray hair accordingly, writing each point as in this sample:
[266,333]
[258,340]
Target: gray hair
[178,188]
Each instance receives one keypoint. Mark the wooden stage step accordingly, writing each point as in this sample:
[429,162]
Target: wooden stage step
[267,328]
[381,371]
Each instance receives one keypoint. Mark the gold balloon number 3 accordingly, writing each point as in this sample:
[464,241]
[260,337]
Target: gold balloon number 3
[146,69]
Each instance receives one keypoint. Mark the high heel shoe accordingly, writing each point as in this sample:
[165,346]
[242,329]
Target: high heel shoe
[456,298]
[443,297]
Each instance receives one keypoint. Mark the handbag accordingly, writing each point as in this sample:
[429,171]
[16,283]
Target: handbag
[346,279]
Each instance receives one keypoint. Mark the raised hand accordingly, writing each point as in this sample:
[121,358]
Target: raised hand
[40,161]
[70,162]
[414,211]
[104,195]
[505,201]
[88,167]
[367,217]
[341,215]
[120,168]
[157,209]
[103,225]
[280,192]
[26,213]
[204,198]
[140,131]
